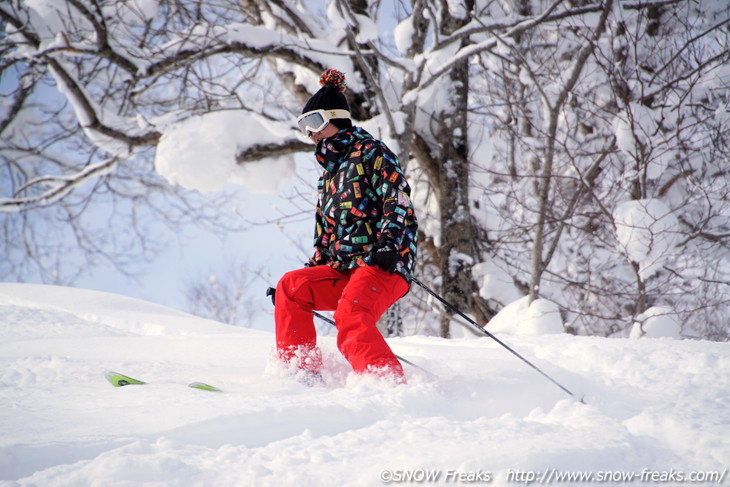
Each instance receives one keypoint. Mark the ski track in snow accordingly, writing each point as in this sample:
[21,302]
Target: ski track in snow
[652,404]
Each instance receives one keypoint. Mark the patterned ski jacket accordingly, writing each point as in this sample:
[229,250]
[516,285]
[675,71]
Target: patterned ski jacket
[364,204]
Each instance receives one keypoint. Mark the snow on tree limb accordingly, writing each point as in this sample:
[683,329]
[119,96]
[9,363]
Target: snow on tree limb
[55,187]
[473,49]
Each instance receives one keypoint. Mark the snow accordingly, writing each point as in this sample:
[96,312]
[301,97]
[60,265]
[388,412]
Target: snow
[647,232]
[86,109]
[632,131]
[653,406]
[435,96]
[657,322]
[50,18]
[199,152]
[541,317]
[403,35]
[625,138]
[134,12]
[367,31]
[251,35]
[496,284]
[81,113]
[457,9]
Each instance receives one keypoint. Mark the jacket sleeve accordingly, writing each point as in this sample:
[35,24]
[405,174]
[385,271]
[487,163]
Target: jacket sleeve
[394,195]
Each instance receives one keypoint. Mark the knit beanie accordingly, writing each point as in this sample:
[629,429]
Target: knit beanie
[332,94]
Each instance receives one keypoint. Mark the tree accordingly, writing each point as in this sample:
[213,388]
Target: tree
[631,126]
[130,71]
[76,153]
[587,105]
[223,296]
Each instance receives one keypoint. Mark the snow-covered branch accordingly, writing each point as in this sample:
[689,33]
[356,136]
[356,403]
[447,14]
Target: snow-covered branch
[256,152]
[101,34]
[54,187]
[436,72]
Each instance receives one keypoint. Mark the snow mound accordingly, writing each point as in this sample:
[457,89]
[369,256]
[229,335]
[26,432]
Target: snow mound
[657,322]
[652,405]
[542,317]
[102,310]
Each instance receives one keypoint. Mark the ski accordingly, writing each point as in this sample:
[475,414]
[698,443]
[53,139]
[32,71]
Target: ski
[204,387]
[120,380]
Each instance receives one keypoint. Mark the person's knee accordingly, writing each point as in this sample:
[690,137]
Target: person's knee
[290,287]
[286,281]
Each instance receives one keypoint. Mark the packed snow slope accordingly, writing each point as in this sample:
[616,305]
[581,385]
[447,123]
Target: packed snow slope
[654,408]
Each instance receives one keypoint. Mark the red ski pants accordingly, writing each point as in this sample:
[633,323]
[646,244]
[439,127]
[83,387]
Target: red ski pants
[357,296]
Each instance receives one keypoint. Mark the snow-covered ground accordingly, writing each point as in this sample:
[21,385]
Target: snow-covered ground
[657,409]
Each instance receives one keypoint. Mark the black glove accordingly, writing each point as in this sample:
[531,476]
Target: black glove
[386,258]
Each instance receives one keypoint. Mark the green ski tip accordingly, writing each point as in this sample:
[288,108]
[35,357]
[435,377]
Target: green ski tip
[119,380]
[204,387]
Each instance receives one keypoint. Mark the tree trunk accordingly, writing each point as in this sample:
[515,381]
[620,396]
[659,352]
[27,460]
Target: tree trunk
[456,249]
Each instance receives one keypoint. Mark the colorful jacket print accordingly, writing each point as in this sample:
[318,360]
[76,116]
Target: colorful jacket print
[364,204]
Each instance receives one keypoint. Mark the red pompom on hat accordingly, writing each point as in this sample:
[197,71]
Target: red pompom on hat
[331,95]
[334,78]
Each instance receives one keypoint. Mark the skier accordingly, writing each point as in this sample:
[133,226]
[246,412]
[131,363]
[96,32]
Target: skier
[364,245]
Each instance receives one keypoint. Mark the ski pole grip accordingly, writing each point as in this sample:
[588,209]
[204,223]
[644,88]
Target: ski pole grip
[272,292]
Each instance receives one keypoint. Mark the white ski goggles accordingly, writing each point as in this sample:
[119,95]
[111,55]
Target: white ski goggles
[316,120]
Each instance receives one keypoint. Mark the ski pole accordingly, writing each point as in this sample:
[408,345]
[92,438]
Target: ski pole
[478,329]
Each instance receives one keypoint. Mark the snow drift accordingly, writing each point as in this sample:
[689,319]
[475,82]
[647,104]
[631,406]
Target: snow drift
[654,406]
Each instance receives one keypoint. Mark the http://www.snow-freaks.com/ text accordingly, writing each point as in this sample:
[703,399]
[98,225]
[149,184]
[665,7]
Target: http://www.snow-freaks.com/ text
[550,476]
